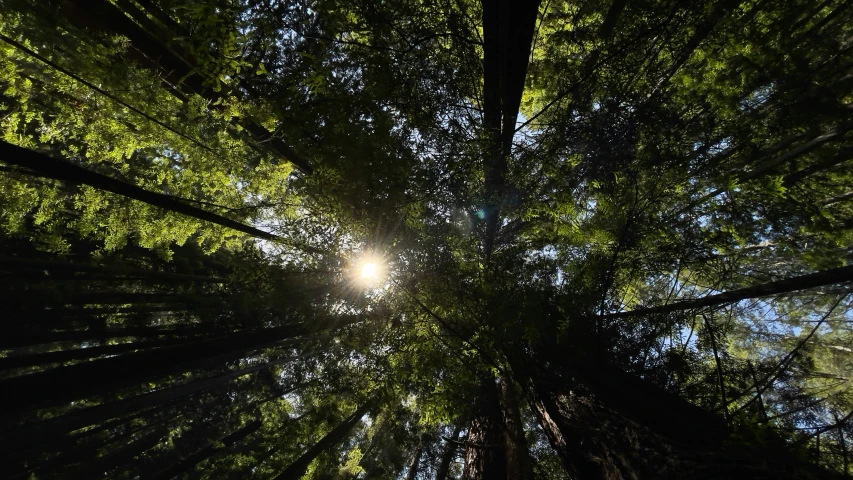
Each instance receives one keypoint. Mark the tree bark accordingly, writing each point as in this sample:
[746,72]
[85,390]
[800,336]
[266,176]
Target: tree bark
[484,454]
[45,337]
[298,468]
[518,465]
[125,298]
[570,436]
[72,451]
[723,401]
[844,154]
[103,465]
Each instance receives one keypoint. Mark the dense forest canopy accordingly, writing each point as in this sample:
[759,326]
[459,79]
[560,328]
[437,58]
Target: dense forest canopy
[426,239]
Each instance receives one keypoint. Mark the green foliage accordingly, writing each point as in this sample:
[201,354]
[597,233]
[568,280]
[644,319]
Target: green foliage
[667,151]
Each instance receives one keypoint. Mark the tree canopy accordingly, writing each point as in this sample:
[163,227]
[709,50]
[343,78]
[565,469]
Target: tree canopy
[426,239]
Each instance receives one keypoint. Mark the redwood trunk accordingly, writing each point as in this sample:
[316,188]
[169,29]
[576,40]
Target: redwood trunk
[60,356]
[802,282]
[484,454]
[122,272]
[54,429]
[95,377]
[52,168]
[518,464]
[298,468]
[182,466]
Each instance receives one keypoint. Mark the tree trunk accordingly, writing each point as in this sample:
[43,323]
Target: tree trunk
[55,429]
[128,298]
[845,154]
[87,379]
[723,401]
[120,458]
[412,473]
[65,171]
[819,279]
[508,28]
[582,457]
[448,454]
[484,453]
[117,271]
[518,465]
[182,466]
[595,439]
[45,337]
[298,468]
[106,16]
[72,451]
[174,67]
[61,356]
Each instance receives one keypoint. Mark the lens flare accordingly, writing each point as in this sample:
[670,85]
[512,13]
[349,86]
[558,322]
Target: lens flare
[368,271]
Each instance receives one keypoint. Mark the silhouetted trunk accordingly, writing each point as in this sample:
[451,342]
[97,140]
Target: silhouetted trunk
[298,468]
[182,466]
[173,63]
[845,154]
[803,282]
[155,11]
[104,15]
[720,380]
[650,405]
[132,298]
[61,170]
[447,455]
[54,429]
[592,440]
[518,465]
[412,473]
[120,458]
[484,453]
[60,356]
[604,424]
[72,451]
[120,272]
[568,440]
[508,29]
[38,338]
[99,376]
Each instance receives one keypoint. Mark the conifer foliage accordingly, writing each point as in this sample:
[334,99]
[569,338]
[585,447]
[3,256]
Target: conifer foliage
[426,239]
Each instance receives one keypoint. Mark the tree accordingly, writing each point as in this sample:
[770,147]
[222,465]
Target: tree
[590,240]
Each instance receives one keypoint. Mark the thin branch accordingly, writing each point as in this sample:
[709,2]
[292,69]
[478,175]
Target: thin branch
[786,361]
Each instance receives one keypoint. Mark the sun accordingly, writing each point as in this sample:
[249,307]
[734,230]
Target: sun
[368,271]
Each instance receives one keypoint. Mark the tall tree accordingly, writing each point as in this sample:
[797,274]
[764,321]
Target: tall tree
[605,239]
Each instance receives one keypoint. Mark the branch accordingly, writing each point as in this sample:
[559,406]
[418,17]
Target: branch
[803,282]
[786,361]
[121,102]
